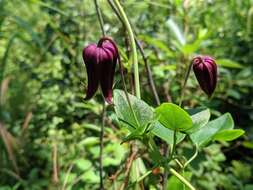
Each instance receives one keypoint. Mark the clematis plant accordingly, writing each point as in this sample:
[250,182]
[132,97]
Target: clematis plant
[169,122]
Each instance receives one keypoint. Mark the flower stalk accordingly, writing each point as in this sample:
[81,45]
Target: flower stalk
[133,48]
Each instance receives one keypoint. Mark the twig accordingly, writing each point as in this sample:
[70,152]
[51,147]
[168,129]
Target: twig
[55,164]
[149,72]
[100,18]
[101,139]
[67,176]
[26,122]
[128,167]
[117,173]
[184,84]
[102,147]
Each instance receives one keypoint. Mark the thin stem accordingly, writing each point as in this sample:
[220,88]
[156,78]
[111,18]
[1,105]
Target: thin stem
[100,18]
[102,147]
[133,48]
[165,174]
[173,149]
[184,177]
[181,178]
[114,8]
[149,72]
[192,158]
[179,163]
[125,90]
[173,145]
[67,177]
[101,139]
[139,46]
[121,74]
[184,84]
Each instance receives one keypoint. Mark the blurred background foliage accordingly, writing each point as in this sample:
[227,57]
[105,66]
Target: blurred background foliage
[49,137]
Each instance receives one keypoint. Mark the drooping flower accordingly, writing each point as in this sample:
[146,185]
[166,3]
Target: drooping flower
[205,70]
[100,60]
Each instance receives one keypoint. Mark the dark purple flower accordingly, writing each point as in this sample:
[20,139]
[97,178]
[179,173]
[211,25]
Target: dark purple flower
[205,70]
[100,61]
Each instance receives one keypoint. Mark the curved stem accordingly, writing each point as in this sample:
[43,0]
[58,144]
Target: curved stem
[184,84]
[100,18]
[192,158]
[125,90]
[149,73]
[133,47]
[144,57]
[182,179]
[173,145]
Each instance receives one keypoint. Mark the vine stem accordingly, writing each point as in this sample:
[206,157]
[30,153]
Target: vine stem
[133,48]
[100,18]
[192,158]
[181,178]
[184,84]
[101,138]
[173,149]
[144,57]
[102,147]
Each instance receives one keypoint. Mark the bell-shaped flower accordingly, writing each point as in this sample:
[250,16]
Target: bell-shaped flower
[205,70]
[100,60]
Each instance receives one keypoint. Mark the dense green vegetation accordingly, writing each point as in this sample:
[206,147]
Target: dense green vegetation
[49,136]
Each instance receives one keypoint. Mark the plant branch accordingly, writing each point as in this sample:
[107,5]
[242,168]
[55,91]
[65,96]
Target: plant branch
[149,73]
[100,18]
[181,178]
[139,46]
[133,48]
[102,147]
[173,149]
[192,158]
[125,90]
[101,139]
[184,84]
[128,167]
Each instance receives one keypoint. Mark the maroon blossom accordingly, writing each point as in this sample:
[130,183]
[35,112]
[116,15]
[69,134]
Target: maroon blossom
[205,70]
[100,60]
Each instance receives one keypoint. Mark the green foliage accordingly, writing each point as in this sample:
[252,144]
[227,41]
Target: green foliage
[173,117]
[43,80]
[208,132]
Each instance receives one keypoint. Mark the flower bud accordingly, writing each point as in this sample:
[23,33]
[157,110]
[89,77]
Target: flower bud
[205,70]
[100,61]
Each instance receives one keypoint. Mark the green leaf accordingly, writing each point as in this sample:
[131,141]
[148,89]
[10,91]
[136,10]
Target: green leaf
[191,48]
[144,113]
[173,117]
[229,63]
[166,134]
[154,151]
[204,135]
[83,164]
[199,120]
[176,30]
[228,135]
[136,134]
